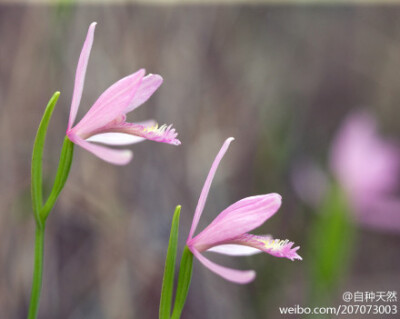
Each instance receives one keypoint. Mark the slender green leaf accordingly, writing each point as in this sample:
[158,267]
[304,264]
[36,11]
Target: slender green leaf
[331,244]
[185,276]
[37,154]
[64,167]
[169,270]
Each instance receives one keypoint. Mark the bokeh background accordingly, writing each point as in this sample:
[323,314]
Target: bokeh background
[280,79]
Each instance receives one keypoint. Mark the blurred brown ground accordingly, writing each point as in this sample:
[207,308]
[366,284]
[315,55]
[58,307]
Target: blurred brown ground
[278,79]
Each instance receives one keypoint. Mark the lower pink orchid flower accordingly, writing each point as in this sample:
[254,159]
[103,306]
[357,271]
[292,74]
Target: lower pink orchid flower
[105,122]
[367,167]
[228,232]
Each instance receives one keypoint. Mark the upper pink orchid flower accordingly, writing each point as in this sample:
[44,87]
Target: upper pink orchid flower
[367,167]
[105,121]
[228,232]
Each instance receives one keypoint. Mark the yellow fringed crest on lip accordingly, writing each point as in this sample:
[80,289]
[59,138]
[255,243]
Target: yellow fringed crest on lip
[274,244]
[152,128]
[155,129]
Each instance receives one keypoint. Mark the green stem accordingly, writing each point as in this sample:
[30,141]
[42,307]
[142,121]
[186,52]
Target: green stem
[41,212]
[37,273]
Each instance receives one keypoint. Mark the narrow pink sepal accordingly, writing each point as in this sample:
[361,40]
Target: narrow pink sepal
[239,218]
[237,276]
[80,74]
[207,185]
[150,83]
[110,105]
[118,157]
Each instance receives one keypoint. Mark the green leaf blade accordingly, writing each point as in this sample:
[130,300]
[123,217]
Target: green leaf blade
[331,245]
[185,276]
[37,155]
[64,167]
[169,270]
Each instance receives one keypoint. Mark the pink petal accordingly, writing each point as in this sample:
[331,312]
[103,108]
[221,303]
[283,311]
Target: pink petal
[110,105]
[118,157]
[237,219]
[234,250]
[150,83]
[80,74]
[237,276]
[274,247]
[206,187]
[115,139]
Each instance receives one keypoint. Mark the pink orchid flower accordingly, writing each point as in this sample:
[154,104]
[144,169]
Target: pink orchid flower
[105,122]
[367,167]
[228,232]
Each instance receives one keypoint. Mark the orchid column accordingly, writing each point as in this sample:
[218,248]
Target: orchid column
[104,123]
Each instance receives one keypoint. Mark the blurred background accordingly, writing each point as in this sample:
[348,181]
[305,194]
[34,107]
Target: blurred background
[280,79]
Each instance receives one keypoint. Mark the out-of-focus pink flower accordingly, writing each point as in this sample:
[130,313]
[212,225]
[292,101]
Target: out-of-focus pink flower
[309,181]
[105,122]
[227,233]
[367,168]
